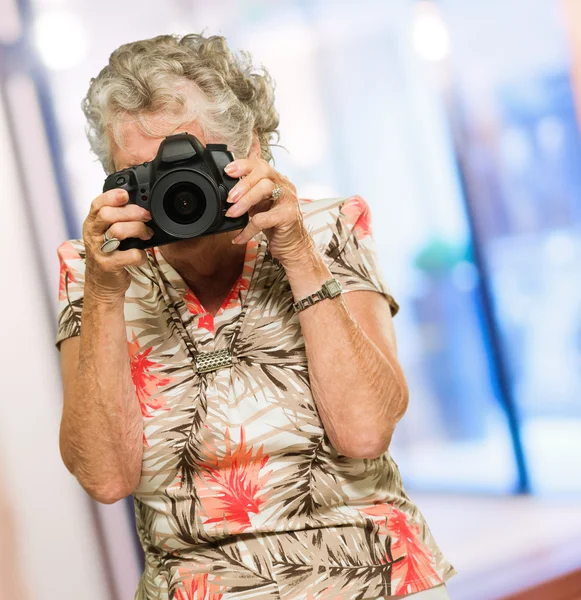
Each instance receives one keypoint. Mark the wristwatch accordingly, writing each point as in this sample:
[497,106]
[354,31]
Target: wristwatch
[330,289]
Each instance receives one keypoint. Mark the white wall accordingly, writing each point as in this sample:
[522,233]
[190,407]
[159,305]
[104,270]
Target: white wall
[53,526]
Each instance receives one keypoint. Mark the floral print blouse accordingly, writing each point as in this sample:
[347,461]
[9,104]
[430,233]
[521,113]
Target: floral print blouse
[242,495]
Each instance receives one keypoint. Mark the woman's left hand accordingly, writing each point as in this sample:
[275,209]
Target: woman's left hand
[281,220]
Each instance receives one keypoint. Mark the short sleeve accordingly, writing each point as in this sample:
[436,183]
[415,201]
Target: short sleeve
[71,288]
[353,260]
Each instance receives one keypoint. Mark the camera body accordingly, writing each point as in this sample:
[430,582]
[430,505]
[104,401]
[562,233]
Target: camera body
[184,188]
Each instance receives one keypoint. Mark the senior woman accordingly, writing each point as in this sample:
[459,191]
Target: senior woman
[268,475]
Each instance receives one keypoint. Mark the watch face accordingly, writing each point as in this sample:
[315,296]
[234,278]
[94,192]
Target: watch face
[333,287]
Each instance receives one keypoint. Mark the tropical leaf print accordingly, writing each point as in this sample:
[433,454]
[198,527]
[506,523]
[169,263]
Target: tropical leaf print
[197,587]
[71,256]
[356,211]
[242,496]
[230,485]
[239,565]
[185,434]
[146,380]
[413,561]
[351,251]
[70,319]
[307,489]
[330,561]
[68,256]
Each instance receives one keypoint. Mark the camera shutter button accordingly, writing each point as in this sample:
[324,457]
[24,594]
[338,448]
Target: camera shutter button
[120,180]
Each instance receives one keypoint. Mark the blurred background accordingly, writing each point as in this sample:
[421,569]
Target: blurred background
[458,122]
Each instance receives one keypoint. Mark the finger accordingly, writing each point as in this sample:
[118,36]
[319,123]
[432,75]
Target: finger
[276,216]
[259,192]
[116,197]
[110,214]
[261,206]
[243,166]
[251,171]
[132,229]
[134,257]
[119,259]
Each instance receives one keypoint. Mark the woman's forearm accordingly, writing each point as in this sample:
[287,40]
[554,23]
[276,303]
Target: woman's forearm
[360,394]
[101,429]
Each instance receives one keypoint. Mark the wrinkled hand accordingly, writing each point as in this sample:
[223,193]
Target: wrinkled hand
[106,276]
[281,220]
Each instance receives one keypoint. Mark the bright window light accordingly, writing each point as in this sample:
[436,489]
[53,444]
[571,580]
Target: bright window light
[429,34]
[61,39]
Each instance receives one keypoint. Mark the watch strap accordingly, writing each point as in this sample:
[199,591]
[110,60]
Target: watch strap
[329,289]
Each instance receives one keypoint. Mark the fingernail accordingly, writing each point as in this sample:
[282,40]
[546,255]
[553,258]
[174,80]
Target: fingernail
[151,232]
[230,168]
[122,195]
[234,211]
[236,240]
[235,194]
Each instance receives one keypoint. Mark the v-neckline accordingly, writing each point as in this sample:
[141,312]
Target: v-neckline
[237,296]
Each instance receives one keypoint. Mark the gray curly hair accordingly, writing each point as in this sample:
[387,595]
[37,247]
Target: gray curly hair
[161,74]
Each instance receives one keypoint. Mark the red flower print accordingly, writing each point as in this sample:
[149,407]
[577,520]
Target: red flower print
[205,319]
[410,573]
[66,252]
[146,383]
[196,587]
[357,213]
[193,304]
[241,284]
[206,322]
[229,486]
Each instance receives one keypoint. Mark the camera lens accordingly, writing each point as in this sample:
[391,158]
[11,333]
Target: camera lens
[184,203]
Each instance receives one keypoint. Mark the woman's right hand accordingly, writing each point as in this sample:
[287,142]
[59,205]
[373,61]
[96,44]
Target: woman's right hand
[106,276]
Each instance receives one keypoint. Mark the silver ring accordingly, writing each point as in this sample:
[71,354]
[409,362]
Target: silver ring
[276,192]
[109,244]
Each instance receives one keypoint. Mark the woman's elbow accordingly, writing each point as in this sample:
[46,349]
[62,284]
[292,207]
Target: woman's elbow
[375,442]
[370,450]
[403,400]
[367,444]
[104,492]
[66,454]
[111,487]
[108,494]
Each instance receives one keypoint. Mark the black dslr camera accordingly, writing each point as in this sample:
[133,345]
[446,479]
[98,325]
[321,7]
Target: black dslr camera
[184,188]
